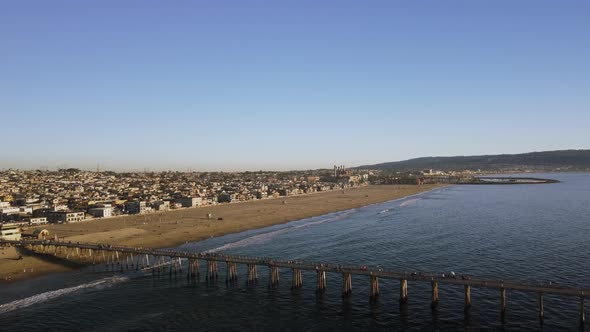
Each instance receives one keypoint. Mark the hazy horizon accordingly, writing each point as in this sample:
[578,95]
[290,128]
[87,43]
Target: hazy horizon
[290,85]
[148,168]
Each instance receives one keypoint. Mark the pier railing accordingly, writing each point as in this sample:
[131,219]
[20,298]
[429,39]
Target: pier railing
[158,260]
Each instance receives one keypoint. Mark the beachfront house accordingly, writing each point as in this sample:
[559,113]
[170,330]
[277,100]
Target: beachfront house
[10,231]
[190,201]
[101,212]
[60,217]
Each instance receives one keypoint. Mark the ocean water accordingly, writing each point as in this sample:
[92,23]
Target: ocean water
[513,232]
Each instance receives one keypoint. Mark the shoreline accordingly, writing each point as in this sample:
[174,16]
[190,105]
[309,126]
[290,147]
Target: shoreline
[176,227]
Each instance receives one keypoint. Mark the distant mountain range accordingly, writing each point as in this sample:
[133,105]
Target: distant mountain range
[561,160]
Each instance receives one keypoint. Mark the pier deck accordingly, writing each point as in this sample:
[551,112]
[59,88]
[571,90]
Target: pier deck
[373,273]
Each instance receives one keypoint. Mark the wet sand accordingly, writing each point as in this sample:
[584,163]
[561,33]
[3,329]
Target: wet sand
[172,228]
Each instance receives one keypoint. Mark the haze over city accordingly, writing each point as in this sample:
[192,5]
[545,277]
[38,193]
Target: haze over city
[290,85]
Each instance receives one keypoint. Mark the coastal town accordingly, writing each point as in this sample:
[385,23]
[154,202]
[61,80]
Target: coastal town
[33,198]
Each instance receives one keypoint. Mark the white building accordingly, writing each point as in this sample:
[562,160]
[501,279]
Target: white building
[190,201]
[64,216]
[161,205]
[137,207]
[101,212]
[10,232]
[26,209]
[38,221]
[9,210]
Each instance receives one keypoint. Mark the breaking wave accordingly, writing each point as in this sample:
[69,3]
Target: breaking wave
[47,296]
[410,202]
[265,237]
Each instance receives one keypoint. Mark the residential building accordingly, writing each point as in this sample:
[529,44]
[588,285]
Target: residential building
[313,179]
[161,205]
[101,212]
[10,232]
[10,210]
[189,201]
[137,207]
[61,217]
[38,221]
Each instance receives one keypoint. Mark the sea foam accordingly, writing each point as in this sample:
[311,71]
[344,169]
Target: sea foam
[47,296]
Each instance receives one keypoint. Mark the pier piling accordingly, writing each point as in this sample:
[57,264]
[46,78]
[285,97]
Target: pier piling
[374,289]
[321,282]
[541,311]
[189,269]
[297,281]
[193,268]
[434,297]
[403,291]
[503,303]
[211,270]
[196,268]
[252,274]
[273,276]
[467,297]
[346,284]
[119,258]
[582,318]
[232,272]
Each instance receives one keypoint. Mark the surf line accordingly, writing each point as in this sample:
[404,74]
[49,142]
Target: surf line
[47,296]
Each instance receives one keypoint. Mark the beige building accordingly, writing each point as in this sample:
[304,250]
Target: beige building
[190,201]
[10,232]
[101,212]
[313,179]
[38,221]
[161,205]
[64,216]
[137,207]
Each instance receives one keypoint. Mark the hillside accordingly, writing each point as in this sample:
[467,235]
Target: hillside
[546,160]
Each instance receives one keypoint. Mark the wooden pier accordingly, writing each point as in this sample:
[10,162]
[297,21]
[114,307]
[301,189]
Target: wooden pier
[119,258]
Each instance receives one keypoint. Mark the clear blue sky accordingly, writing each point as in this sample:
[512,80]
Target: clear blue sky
[288,84]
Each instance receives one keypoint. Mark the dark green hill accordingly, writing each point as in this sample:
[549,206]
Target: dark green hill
[546,160]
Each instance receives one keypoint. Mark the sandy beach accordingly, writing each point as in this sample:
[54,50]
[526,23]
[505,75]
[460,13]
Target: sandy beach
[176,227]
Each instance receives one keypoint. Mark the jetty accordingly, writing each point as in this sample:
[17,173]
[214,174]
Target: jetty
[483,179]
[120,258]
